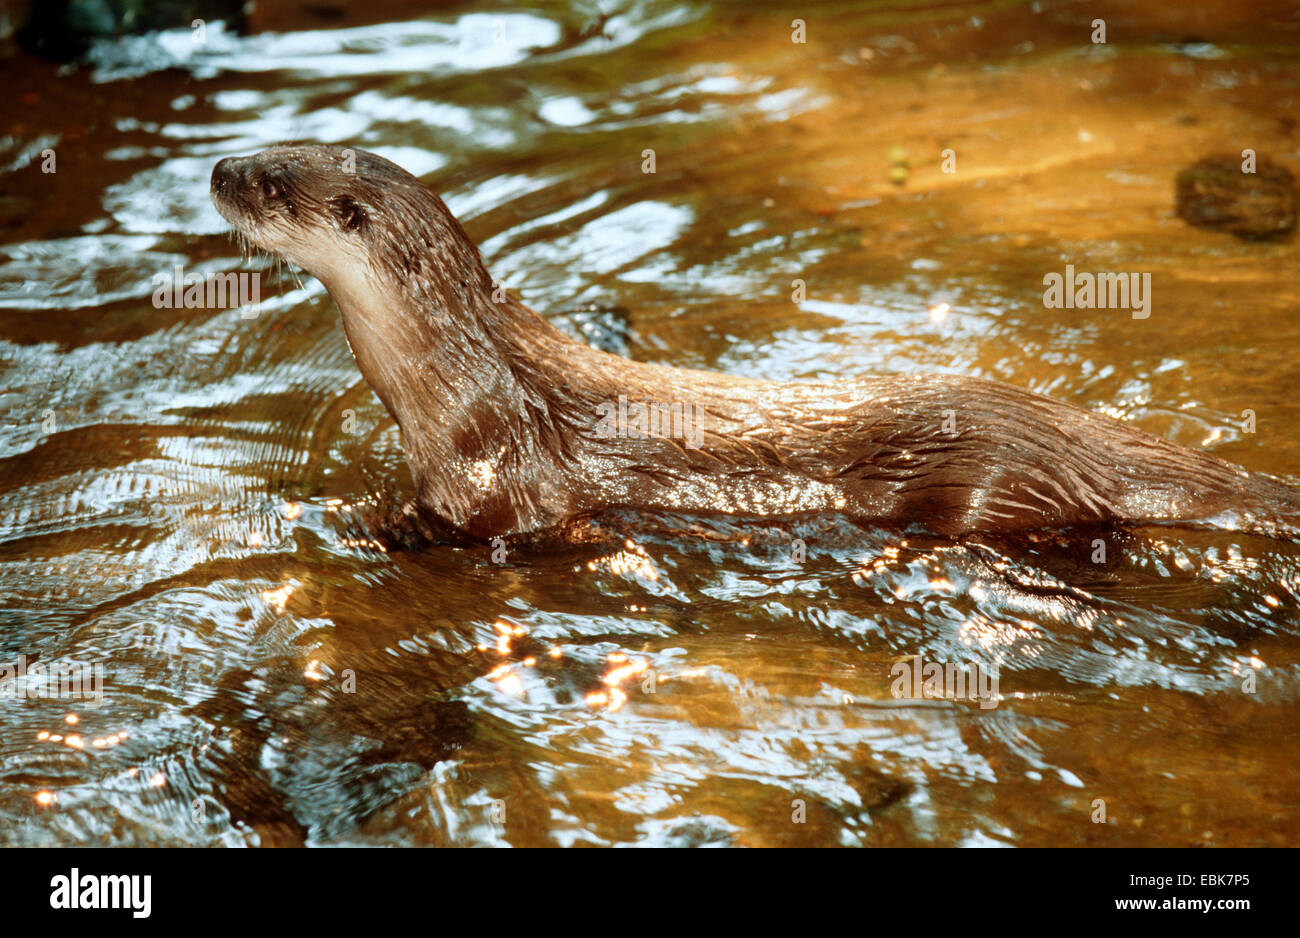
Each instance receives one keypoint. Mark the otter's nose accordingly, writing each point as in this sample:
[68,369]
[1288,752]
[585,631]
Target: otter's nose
[226,173]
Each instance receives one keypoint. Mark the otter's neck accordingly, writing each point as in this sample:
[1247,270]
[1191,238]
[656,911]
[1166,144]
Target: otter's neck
[471,383]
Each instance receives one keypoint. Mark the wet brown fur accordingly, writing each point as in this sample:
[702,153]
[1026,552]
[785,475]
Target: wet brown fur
[499,409]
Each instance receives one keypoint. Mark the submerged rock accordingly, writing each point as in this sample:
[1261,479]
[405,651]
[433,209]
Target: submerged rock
[1216,194]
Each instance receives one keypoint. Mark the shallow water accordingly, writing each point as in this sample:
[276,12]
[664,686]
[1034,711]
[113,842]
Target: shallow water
[181,490]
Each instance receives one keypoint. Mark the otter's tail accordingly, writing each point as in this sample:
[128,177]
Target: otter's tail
[1161,481]
[1266,506]
[1217,494]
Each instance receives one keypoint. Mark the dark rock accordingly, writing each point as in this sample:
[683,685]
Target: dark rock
[63,29]
[605,327]
[1258,206]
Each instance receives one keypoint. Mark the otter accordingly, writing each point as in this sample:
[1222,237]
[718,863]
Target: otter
[510,427]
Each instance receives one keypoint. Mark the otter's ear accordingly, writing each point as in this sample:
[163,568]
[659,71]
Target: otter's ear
[350,215]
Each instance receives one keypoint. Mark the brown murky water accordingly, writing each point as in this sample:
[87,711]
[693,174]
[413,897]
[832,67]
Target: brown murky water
[180,488]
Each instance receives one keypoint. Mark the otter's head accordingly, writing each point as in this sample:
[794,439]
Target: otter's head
[339,212]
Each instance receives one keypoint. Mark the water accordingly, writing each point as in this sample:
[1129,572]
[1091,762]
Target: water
[181,490]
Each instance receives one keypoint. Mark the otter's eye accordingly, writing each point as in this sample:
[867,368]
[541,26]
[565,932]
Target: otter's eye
[269,189]
[351,216]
